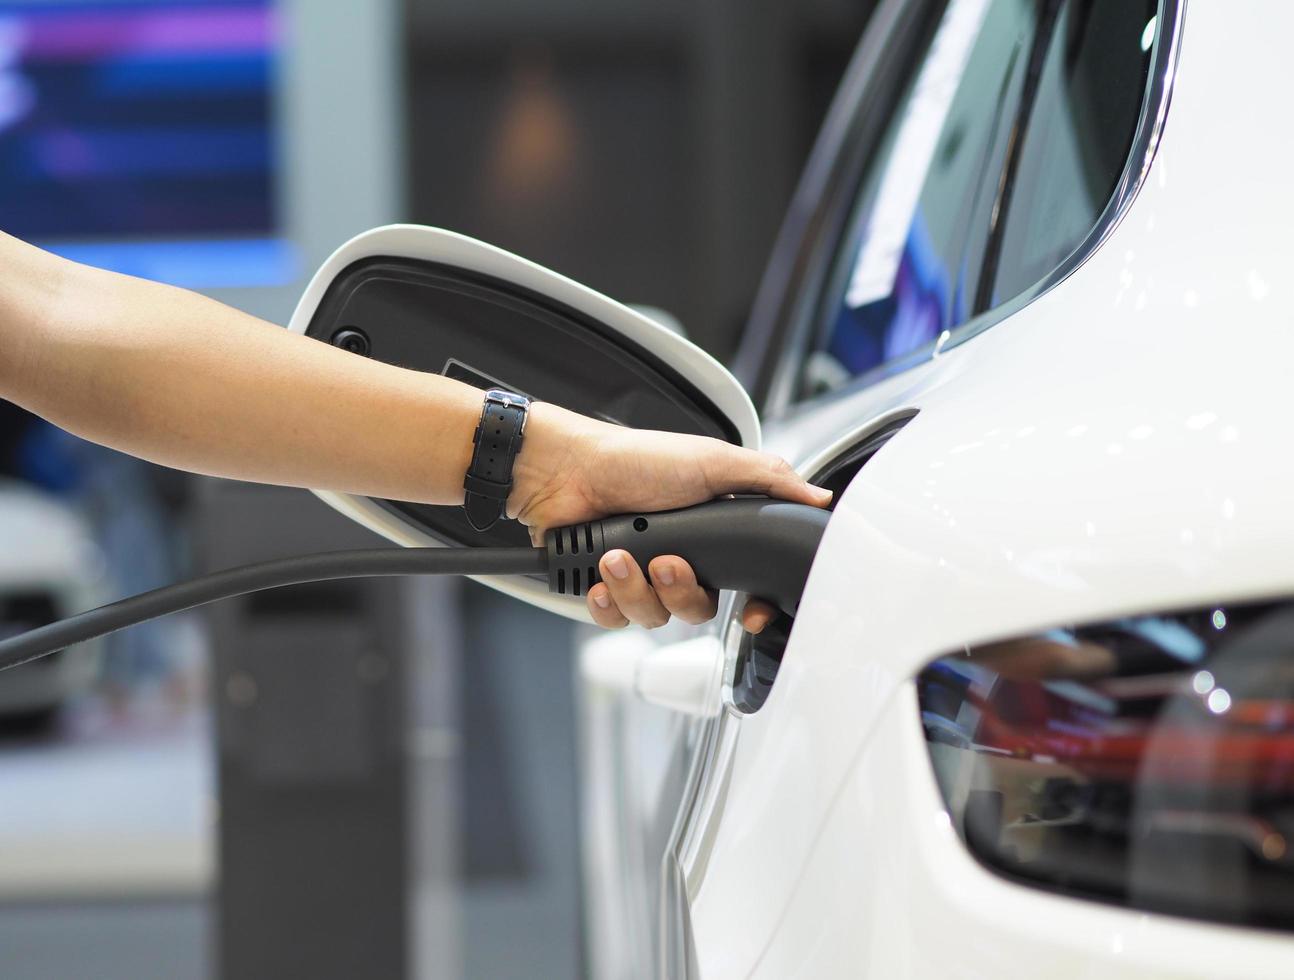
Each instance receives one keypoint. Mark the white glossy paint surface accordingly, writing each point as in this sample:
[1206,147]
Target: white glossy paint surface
[459,251]
[1119,445]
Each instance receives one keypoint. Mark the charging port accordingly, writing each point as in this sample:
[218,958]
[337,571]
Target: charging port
[760,655]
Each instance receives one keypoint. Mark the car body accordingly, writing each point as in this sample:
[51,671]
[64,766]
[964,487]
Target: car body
[1034,713]
[49,568]
[1087,459]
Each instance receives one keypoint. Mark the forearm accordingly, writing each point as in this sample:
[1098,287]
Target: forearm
[187,382]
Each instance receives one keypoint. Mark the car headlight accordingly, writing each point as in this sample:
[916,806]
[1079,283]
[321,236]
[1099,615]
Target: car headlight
[1146,761]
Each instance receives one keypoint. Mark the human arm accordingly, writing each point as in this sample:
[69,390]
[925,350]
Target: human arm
[179,379]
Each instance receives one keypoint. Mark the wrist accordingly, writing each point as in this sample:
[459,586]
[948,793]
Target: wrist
[555,438]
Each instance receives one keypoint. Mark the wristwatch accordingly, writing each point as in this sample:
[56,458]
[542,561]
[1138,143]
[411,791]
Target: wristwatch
[495,447]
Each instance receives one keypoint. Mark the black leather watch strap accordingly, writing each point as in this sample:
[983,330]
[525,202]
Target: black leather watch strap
[495,447]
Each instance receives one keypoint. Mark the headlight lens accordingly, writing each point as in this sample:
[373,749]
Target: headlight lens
[1146,761]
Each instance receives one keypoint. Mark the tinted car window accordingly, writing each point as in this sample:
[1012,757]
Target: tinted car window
[1003,151]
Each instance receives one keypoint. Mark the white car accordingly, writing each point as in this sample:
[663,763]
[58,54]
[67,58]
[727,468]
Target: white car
[49,568]
[1035,717]
[1035,714]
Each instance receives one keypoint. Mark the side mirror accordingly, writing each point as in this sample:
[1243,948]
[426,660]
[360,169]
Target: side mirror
[435,301]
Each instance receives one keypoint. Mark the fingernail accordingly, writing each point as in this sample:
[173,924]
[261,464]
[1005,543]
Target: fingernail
[615,563]
[666,574]
[603,600]
[823,494]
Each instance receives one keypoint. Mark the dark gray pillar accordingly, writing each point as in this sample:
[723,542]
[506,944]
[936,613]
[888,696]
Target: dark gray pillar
[311,721]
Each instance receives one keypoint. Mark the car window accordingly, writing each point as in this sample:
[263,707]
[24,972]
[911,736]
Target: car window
[1003,150]
[1077,140]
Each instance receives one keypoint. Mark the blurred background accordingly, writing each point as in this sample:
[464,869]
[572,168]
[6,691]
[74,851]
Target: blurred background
[358,779]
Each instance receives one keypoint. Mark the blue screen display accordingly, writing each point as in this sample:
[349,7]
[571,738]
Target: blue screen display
[139,135]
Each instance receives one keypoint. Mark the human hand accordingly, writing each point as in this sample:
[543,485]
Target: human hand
[572,468]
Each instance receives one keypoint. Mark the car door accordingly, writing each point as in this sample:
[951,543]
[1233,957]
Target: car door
[1015,137]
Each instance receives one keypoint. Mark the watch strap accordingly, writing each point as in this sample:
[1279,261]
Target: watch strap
[496,443]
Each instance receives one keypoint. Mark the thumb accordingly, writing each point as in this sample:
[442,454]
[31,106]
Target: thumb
[745,471]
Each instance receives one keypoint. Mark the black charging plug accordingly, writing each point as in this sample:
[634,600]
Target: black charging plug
[751,544]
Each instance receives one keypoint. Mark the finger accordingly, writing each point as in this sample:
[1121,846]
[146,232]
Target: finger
[677,589]
[630,592]
[749,472]
[603,608]
[757,615]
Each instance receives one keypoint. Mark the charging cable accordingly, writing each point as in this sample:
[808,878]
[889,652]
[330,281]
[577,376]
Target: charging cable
[755,545]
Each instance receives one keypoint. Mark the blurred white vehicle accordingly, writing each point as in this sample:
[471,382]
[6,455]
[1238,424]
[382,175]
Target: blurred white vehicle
[49,568]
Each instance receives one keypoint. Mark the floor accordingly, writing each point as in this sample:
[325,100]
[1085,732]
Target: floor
[106,852]
[158,939]
[121,811]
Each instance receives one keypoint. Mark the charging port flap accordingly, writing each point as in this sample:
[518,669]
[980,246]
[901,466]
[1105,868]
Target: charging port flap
[435,301]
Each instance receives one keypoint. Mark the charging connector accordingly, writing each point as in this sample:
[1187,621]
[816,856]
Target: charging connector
[751,544]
